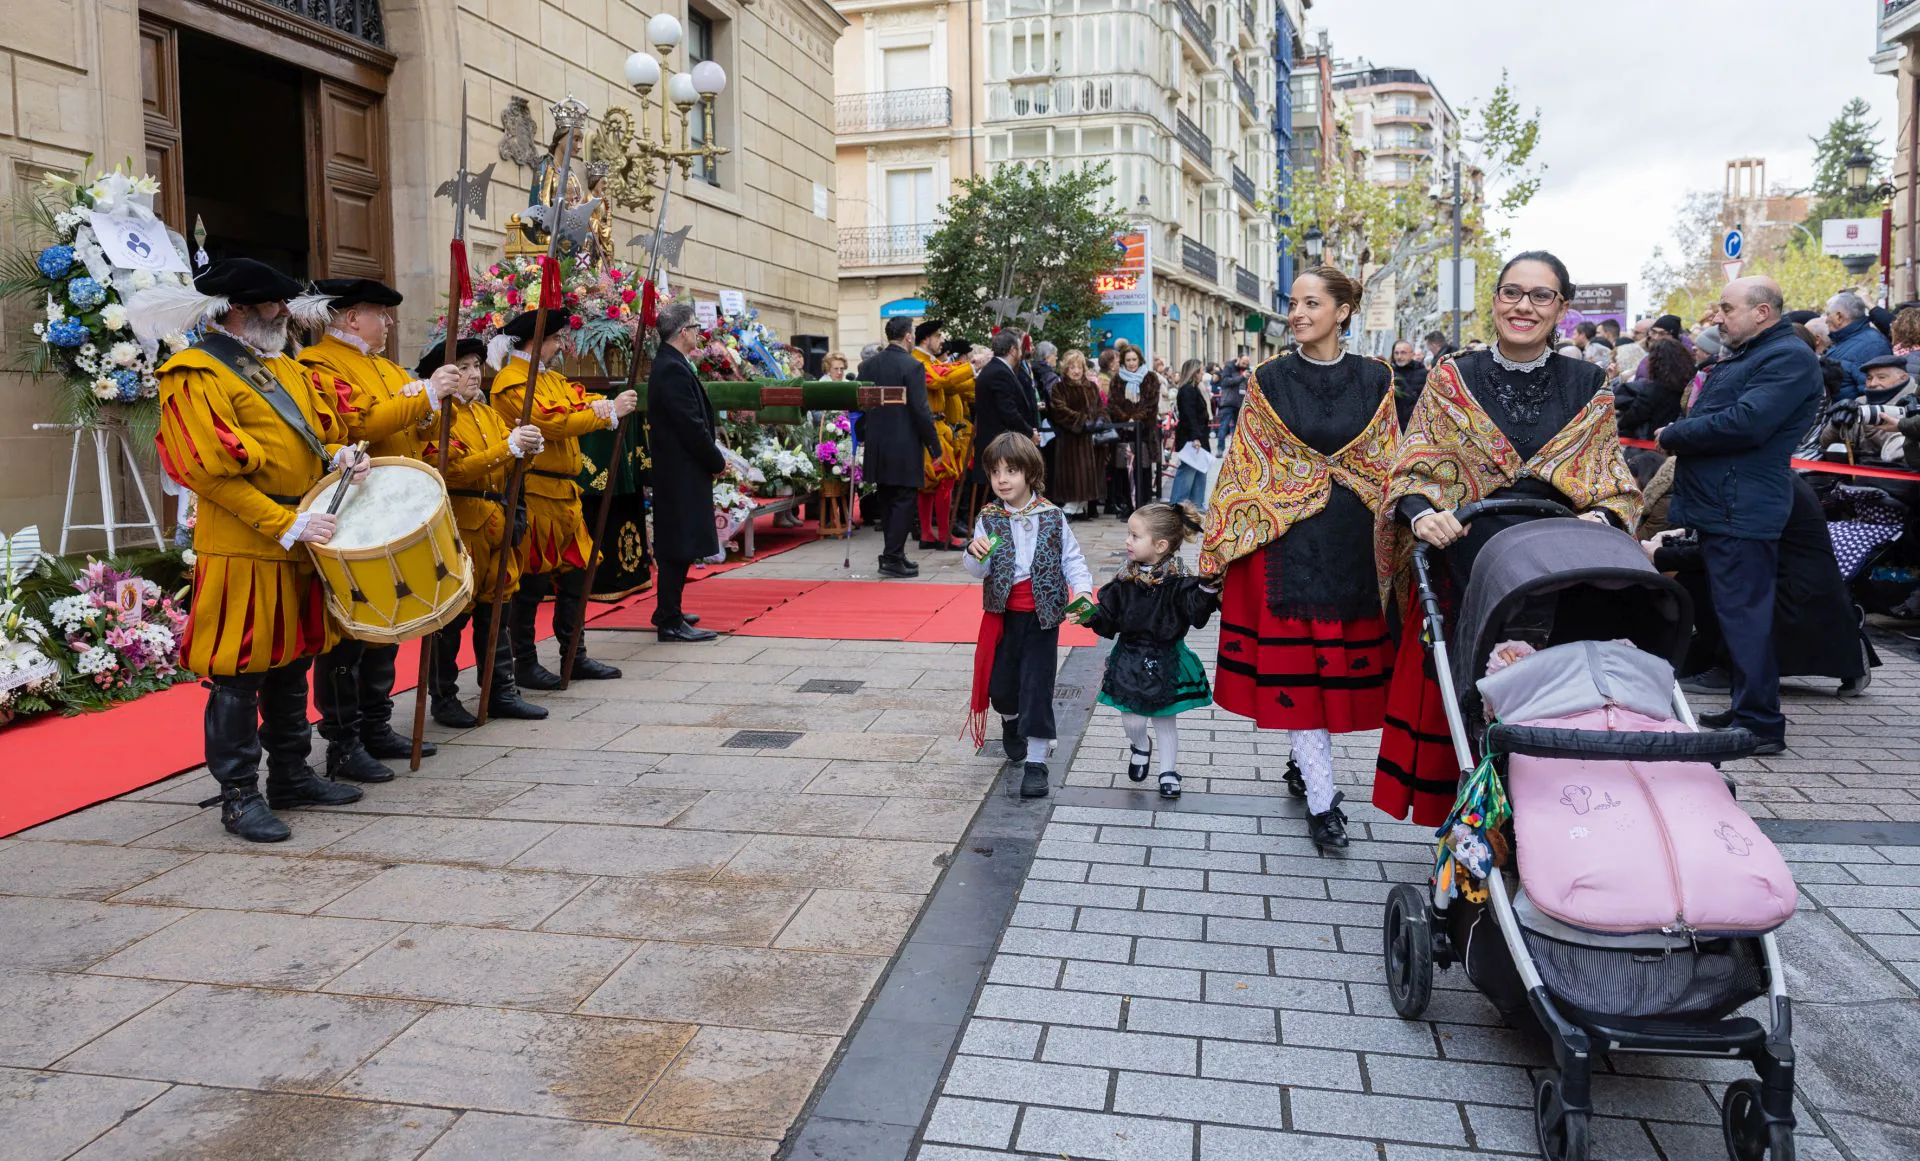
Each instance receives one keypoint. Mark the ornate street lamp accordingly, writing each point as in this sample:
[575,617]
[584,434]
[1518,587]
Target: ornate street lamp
[1314,243]
[1859,169]
[630,146]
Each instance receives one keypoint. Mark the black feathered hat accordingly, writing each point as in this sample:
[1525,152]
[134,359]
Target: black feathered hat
[436,355]
[520,327]
[927,328]
[346,292]
[245,282]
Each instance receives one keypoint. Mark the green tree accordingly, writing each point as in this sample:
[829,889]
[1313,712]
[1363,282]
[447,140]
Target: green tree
[1030,233]
[1846,135]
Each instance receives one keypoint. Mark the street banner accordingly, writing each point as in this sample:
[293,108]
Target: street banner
[1850,237]
[1596,303]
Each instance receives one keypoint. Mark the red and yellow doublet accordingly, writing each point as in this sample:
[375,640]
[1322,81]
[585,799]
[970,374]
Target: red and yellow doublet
[256,605]
[949,394]
[557,533]
[478,460]
[368,396]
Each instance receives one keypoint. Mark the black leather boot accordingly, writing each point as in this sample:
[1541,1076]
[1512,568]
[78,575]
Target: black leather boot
[519,628]
[233,758]
[288,741]
[569,605]
[1328,830]
[504,701]
[444,685]
[377,663]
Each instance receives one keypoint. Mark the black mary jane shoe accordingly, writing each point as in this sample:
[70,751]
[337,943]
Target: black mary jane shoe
[1328,829]
[1169,784]
[1033,783]
[1296,781]
[1139,762]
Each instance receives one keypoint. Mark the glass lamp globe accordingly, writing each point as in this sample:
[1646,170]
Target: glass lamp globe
[709,79]
[680,89]
[643,70]
[663,31]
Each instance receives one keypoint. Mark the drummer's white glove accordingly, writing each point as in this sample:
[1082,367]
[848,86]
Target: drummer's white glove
[525,441]
[354,462]
[310,527]
[605,410]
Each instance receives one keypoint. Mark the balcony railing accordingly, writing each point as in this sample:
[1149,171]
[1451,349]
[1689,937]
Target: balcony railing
[884,245]
[1246,18]
[1192,139]
[1247,284]
[1196,26]
[1073,96]
[893,109]
[1243,185]
[1200,260]
[1245,89]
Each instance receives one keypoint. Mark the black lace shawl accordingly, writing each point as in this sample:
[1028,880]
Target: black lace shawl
[1322,568]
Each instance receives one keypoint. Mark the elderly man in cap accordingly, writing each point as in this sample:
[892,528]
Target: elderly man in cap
[480,454]
[385,405]
[1867,427]
[681,424]
[250,431]
[559,543]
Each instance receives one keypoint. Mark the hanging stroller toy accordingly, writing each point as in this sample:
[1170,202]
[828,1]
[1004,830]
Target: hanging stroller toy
[1630,905]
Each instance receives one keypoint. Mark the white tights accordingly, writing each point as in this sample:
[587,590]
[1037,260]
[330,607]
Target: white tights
[1166,737]
[1313,753]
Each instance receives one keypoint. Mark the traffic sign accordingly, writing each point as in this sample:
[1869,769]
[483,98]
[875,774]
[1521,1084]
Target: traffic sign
[1732,269]
[1733,244]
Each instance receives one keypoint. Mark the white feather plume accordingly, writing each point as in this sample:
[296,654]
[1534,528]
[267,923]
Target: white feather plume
[312,310]
[170,309]
[498,348]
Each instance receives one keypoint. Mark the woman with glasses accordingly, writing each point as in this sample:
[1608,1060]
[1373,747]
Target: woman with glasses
[1515,421]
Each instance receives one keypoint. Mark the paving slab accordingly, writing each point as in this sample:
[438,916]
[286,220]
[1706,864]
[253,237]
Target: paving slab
[211,1124]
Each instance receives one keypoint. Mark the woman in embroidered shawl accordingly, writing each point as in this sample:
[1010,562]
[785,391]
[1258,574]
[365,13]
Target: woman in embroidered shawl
[1516,421]
[1303,643]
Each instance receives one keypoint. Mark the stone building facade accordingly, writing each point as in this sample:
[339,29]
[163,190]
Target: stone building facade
[312,133]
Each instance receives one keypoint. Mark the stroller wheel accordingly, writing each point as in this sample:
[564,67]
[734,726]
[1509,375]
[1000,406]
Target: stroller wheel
[1745,1128]
[1407,939]
[1562,1132]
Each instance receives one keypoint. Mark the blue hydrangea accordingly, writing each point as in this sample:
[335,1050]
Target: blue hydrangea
[68,333]
[55,261]
[85,293]
[129,382]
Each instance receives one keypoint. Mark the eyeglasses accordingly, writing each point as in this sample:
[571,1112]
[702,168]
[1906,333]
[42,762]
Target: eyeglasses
[1540,296]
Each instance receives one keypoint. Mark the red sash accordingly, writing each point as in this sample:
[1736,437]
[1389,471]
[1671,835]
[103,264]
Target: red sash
[993,626]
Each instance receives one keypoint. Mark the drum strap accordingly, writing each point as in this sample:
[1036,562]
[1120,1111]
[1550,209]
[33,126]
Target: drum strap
[477,494]
[242,362]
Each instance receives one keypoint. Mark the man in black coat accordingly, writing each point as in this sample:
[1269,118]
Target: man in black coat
[1002,402]
[895,436]
[680,424]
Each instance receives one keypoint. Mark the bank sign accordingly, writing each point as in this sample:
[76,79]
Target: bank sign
[1128,287]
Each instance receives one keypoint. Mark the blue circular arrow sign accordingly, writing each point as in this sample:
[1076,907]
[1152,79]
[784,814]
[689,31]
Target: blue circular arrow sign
[1735,241]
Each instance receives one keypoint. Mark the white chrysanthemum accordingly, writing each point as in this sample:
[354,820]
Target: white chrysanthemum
[187,557]
[113,316]
[159,638]
[68,612]
[55,312]
[105,388]
[142,280]
[124,354]
[97,659]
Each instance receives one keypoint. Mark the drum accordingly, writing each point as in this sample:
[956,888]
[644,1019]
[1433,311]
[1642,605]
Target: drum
[395,568]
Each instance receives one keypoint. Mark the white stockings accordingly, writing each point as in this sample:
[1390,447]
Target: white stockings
[1313,753]
[1165,735]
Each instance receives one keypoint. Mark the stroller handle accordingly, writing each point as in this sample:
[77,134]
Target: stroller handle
[1467,514]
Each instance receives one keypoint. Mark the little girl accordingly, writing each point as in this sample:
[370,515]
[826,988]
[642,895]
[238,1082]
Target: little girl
[1152,677]
[1031,563]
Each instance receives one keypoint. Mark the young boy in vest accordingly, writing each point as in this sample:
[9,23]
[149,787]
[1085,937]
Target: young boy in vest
[1031,563]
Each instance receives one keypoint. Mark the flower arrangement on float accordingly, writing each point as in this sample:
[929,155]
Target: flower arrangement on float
[79,292]
[27,673]
[601,305]
[123,632]
[789,469]
[739,347]
[834,450]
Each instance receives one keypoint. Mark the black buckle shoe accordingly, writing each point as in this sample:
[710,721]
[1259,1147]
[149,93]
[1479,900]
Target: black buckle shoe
[1033,784]
[534,675]
[244,812]
[1328,829]
[287,789]
[450,713]
[1169,783]
[509,704]
[1296,781]
[350,760]
[382,741]
[1139,762]
[684,631]
[587,669]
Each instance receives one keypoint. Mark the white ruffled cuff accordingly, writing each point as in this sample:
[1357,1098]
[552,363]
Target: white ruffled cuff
[292,536]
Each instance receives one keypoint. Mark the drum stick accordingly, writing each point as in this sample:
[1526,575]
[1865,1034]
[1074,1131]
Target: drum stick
[339,496]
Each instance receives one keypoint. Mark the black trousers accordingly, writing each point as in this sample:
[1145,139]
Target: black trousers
[669,589]
[353,688]
[1741,575]
[897,512]
[1021,683]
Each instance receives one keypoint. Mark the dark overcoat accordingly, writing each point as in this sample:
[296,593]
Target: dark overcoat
[680,424]
[895,435]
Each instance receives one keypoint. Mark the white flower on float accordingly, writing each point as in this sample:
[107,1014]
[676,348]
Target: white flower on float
[55,312]
[142,280]
[124,354]
[105,388]
[113,316]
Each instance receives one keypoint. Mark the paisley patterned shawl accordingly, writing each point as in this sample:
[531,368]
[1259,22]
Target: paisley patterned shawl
[1453,453]
[1272,479]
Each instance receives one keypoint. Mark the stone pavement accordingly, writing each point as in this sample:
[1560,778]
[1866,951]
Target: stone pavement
[632,930]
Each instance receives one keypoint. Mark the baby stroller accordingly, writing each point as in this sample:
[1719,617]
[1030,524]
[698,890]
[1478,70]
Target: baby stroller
[1636,910]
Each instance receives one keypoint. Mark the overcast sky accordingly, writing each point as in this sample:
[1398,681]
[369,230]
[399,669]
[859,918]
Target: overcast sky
[1640,100]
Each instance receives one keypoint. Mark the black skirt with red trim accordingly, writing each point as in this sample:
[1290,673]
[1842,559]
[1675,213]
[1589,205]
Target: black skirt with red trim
[1417,773]
[1296,673]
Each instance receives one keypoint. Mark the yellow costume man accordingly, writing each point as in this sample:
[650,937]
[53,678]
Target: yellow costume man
[559,544]
[249,432]
[480,455]
[382,403]
[949,397]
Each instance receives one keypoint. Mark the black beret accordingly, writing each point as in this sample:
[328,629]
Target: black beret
[520,327]
[346,292]
[436,355]
[245,282]
[926,329]
[1899,361]
[956,348]
[1671,324]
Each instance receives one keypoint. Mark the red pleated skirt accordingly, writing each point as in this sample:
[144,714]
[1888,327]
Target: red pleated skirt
[1417,772]
[1290,673]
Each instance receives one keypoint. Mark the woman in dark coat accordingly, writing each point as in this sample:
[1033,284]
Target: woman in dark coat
[1079,466]
[1133,396]
[1816,629]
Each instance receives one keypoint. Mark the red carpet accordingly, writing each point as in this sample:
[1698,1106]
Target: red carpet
[723,603]
[887,611]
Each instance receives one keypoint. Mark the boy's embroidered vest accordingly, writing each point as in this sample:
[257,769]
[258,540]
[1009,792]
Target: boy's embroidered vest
[1049,579]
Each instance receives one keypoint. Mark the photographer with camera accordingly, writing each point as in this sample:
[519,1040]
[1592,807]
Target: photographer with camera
[1867,427]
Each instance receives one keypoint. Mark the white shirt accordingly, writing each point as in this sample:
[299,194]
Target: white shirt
[1026,534]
